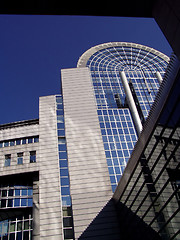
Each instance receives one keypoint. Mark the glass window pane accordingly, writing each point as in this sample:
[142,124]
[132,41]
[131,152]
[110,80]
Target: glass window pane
[11,192]
[12,236]
[67,222]
[7,160]
[66,201]
[6,143]
[62,147]
[61,132]
[64,181]
[26,235]
[59,99]
[18,141]
[12,143]
[62,155]
[61,140]
[4,193]
[17,192]
[3,203]
[26,225]
[68,233]
[67,211]
[24,141]
[19,235]
[16,202]
[60,119]
[30,191]
[24,192]
[36,139]
[12,227]
[24,202]
[30,140]
[64,172]
[30,202]
[32,156]
[65,190]
[63,163]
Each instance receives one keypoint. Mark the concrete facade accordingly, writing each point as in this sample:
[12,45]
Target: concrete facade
[47,220]
[90,185]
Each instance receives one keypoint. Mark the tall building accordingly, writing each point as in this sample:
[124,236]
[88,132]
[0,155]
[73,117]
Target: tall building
[57,173]
[125,78]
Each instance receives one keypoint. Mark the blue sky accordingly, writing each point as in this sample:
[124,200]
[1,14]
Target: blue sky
[33,50]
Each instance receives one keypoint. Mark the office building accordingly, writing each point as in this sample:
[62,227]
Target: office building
[58,171]
[125,78]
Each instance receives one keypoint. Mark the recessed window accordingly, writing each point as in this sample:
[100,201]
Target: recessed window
[16,196]
[20,158]
[12,142]
[36,139]
[7,160]
[24,141]
[30,140]
[18,141]
[32,156]
[6,143]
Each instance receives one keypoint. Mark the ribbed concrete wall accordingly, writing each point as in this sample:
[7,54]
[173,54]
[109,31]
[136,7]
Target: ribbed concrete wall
[89,177]
[49,180]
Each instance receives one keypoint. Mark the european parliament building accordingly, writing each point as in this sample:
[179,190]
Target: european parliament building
[64,175]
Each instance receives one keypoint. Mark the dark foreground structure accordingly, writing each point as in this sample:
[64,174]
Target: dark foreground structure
[148,194]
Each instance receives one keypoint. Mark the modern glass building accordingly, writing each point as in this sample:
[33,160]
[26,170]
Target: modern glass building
[57,172]
[125,78]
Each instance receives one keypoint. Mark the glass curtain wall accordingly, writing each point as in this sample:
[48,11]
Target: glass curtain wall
[144,71]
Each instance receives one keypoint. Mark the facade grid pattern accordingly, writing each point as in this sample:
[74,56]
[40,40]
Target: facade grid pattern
[17,228]
[16,196]
[115,117]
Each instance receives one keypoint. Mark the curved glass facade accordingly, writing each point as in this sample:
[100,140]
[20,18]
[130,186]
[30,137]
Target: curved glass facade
[143,68]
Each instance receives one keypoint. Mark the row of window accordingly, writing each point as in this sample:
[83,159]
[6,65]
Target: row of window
[19,141]
[18,228]
[16,202]
[16,196]
[20,157]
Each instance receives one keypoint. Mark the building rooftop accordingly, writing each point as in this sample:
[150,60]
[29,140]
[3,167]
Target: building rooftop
[19,124]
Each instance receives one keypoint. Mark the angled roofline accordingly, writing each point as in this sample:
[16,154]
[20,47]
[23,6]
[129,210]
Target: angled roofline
[86,55]
[19,124]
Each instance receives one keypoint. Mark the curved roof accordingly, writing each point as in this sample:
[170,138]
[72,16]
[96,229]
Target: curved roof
[123,55]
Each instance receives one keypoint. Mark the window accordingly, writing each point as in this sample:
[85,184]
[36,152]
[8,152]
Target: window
[7,160]
[32,156]
[16,196]
[30,140]
[16,227]
[19,141]
[20,158]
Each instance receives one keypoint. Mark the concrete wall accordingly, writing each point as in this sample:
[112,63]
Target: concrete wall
[89,178]
[49,180]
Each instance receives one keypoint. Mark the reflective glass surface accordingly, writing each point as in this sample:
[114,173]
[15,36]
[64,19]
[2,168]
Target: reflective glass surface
[17,228]
[116,122]
[16,196]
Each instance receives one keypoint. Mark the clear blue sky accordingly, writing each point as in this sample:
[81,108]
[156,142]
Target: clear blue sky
[33,50]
